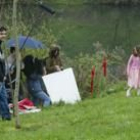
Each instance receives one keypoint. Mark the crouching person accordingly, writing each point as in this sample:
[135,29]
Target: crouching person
[36,90]
[33,71]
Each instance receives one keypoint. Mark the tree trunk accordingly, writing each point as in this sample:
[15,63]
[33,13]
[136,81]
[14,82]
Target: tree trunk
[17,83]
[1,9]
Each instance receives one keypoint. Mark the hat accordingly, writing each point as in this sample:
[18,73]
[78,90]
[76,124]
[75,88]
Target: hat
[55,47]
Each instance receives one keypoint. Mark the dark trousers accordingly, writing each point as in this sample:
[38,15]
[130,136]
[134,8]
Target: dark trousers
[4,108]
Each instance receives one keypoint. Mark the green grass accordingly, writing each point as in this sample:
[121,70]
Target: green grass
[113,117]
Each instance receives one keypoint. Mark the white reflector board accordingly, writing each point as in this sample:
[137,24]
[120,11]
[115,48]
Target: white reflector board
[62,86]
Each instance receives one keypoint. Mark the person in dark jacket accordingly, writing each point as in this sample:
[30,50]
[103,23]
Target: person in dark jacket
[4,108]
[33,70]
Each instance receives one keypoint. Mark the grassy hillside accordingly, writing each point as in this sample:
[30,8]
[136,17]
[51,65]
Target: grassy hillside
[113,117]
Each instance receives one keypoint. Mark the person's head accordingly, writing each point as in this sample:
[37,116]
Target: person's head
[28,62]
[136,51]
[54,51]
[3,31]
[12,50]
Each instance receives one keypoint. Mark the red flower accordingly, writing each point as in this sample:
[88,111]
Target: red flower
[104,66]
[92,78]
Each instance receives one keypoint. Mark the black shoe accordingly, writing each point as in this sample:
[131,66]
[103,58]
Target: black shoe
[6,118]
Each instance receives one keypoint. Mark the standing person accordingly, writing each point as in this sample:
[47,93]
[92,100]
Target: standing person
[133,71]
[11,74]
[11,59]
[4,109]
[53,63]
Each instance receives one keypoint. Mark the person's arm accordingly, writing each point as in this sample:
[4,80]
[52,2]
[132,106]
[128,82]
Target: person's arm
[43,85]
[58,65]
[2,69]
[129,64]
[50,67]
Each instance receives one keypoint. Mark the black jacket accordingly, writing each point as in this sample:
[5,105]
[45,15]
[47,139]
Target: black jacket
[2,64]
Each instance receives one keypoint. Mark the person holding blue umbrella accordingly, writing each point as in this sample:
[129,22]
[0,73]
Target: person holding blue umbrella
[4,108]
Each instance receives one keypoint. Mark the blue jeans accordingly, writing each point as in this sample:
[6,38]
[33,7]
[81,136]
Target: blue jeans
[4,108]
[41,96]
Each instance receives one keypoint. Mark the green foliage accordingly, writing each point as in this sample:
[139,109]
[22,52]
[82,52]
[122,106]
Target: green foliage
[83,1]
[96,2]
[116,87]
[82,65]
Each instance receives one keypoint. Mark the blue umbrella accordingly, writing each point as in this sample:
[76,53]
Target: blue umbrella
[25,42]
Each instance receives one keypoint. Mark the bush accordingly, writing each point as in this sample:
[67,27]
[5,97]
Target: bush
[82,65]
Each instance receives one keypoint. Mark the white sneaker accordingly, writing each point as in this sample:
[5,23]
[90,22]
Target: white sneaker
[128,93]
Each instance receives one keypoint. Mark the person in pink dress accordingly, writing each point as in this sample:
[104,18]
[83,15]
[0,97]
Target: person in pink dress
[133,71]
